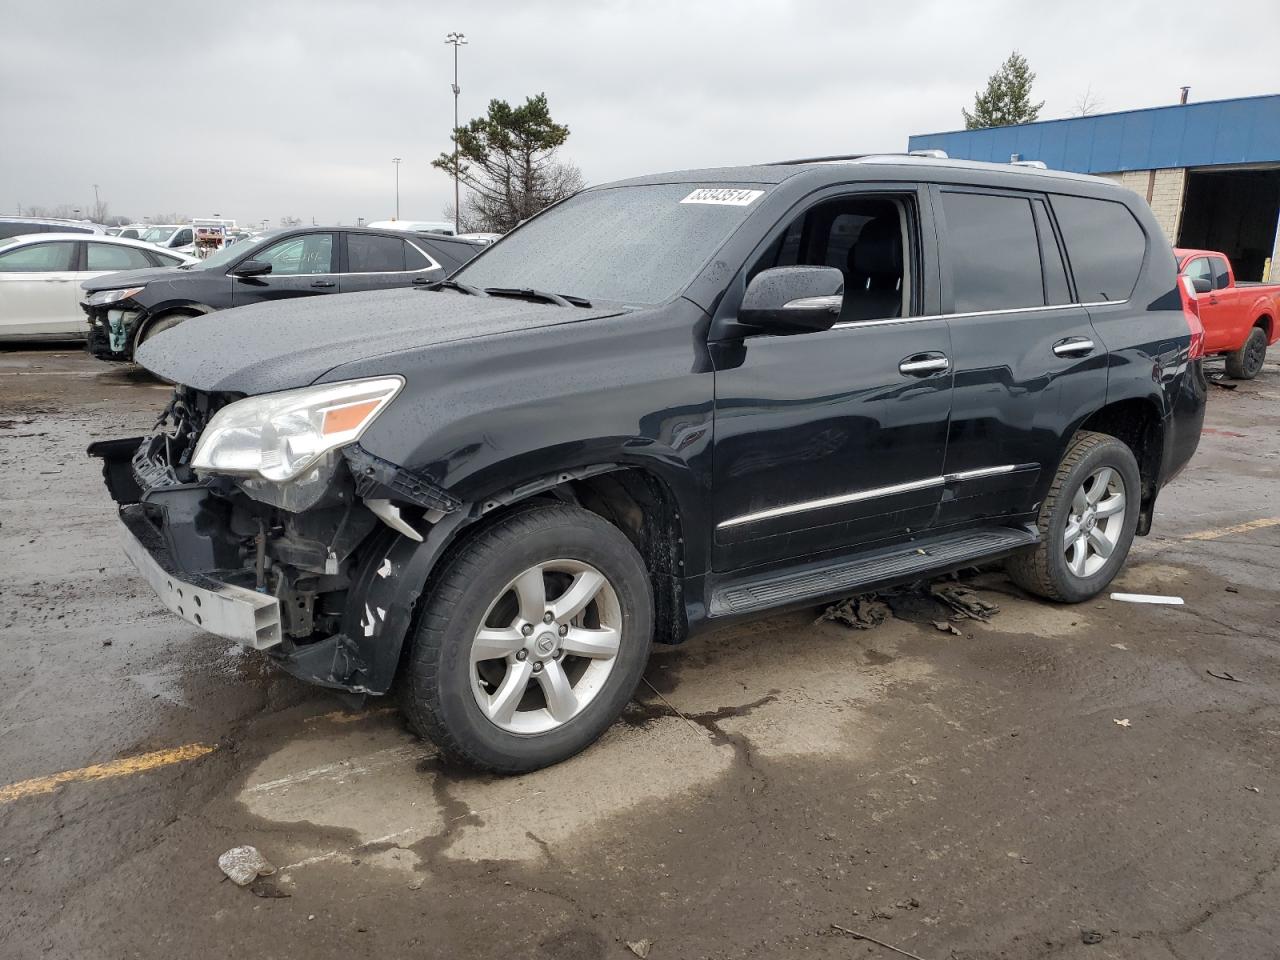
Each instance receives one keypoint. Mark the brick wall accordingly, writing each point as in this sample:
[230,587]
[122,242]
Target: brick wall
[1163,189]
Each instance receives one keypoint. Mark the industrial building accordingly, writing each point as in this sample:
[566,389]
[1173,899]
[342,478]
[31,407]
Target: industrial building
[1211,171]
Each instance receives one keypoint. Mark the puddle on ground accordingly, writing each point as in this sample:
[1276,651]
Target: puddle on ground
[756,692]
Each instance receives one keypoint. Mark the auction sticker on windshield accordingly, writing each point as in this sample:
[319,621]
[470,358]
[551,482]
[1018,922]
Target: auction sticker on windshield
[728,196]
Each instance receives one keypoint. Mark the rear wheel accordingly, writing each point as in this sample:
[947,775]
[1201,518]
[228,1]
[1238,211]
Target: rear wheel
[532,642]
[1246,363]
[1087,522]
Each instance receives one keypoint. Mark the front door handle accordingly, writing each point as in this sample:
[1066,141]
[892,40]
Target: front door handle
[923,364]
[1073,347]
[324,283]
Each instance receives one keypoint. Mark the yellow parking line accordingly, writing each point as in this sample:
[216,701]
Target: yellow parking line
[1232,531]
[104,771]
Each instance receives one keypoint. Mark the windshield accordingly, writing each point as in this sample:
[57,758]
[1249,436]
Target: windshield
[156,234]
[641,245]
[232,251]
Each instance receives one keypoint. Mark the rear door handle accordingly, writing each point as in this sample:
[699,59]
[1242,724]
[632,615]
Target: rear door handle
[324,283]
[1073,347]
[923,364]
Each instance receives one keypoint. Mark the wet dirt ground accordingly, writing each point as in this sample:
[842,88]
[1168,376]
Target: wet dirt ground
[1059,775]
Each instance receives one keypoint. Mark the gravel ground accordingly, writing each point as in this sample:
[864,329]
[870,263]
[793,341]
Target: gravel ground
[1054,776]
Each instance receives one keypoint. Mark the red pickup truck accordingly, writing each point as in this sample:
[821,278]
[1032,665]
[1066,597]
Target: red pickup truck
[1239,317]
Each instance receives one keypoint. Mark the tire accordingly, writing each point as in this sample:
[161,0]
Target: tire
[1056,568]
[1246,363]
[463,701]
[162,323]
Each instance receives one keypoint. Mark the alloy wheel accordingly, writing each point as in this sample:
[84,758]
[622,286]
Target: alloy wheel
[545,646]
[1096,522]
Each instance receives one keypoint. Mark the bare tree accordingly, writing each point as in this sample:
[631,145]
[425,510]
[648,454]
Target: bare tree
[99,211]
[290,221]
[1088,103]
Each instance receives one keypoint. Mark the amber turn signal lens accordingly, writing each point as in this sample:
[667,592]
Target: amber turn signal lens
[341,419]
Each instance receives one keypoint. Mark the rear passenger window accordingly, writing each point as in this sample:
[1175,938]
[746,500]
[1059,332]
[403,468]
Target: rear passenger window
[415,259]
[1221,276]
[993,252]
[1105,246]
[110,256]
[367,253]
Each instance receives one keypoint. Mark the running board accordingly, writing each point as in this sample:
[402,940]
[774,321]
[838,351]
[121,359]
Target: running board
[879,568]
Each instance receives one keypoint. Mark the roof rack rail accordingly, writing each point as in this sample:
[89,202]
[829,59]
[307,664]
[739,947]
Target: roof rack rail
[936,154]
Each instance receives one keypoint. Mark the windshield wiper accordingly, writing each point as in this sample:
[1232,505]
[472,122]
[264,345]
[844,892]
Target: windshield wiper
[528,293]
[450,285]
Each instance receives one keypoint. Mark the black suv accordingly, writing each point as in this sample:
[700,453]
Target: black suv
[128,308]
[660,405]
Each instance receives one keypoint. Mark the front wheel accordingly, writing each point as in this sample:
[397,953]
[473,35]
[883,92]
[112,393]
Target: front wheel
[1246,363]
[1087,522]
[532,642]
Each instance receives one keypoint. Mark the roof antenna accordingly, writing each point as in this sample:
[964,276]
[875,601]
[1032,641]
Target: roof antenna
[1185,91]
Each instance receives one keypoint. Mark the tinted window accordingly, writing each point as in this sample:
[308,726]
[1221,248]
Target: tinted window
[51,257]
[1056,290]
[110,256]
[367,253]
[1105,246]
[182,239]
[993,252]
[637,244]
[415,259]
[1221,276]
[19,229]
[164,259]
[1198,269]
[310,253]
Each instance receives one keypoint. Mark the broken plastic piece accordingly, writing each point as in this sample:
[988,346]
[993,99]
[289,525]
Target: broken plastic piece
[1146,598]
[389,513]
[245,865]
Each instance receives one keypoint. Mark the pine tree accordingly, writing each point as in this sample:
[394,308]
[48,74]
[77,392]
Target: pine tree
[1007,99]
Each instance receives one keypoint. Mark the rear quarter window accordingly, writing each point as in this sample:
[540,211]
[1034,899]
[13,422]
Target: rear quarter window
[1105,246]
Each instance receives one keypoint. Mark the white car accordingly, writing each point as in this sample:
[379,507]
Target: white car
[174,236]
[443,227]
[485,238]
[41,273]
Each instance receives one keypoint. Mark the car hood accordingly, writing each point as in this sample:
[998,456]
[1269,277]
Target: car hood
[277,346]
[129,278]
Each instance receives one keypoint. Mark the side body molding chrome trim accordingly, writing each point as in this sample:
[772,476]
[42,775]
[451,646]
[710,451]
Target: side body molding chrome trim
[871,494]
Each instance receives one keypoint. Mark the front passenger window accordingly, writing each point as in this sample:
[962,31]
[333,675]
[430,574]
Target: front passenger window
[311,253]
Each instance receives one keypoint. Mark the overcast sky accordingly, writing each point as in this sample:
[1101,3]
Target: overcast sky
[295,107]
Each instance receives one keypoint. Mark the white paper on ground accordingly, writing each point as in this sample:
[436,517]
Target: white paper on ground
[1146,598]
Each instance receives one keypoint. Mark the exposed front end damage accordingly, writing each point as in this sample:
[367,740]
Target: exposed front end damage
[111,329]
[321,573]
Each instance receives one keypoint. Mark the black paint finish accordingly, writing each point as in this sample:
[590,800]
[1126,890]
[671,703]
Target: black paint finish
[504,393]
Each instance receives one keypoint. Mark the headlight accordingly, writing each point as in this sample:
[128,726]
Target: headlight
[101,297]
[279,435]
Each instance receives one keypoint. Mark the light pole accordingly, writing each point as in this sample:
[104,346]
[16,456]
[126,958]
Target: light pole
[396,161]
[97,204]
[457,39]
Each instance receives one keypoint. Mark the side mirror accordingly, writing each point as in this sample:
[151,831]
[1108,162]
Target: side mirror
[1201,284]
[252,268]
[793,299]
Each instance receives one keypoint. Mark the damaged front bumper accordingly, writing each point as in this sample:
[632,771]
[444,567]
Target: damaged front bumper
[238,613]
[327,590]
[111,329]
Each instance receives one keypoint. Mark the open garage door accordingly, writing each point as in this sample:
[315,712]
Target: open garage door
[1235,211]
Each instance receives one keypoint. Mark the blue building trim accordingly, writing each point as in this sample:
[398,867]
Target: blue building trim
[1215,133]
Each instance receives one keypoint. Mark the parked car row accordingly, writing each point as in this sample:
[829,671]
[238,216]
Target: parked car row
[659,406]
[127,309]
